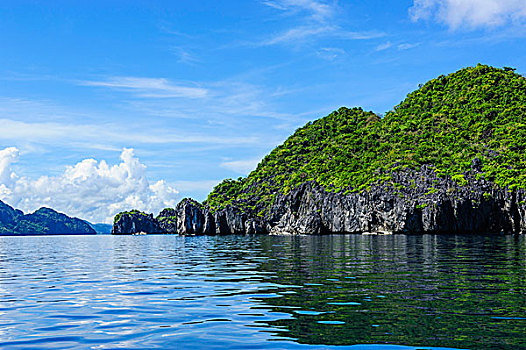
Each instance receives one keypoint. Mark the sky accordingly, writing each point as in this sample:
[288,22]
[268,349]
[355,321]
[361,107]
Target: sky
[112,105]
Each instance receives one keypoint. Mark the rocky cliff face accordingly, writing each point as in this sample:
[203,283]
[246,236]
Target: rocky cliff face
[419,203]
[415,202]
[189,218]
[135,222]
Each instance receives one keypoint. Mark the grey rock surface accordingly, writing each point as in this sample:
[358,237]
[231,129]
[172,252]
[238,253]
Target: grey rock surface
[415,202]
[135,222]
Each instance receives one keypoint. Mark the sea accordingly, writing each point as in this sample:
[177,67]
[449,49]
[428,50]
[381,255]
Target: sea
[361,292]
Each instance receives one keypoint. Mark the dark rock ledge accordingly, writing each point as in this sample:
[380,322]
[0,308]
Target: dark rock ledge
[416,202]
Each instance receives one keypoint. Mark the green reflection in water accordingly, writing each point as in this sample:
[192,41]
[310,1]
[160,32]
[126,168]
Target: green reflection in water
[449,291]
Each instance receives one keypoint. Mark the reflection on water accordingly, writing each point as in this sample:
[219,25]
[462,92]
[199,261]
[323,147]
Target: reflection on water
[263,292]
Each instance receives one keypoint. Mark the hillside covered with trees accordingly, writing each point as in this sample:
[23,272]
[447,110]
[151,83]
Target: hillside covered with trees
[44,221]
[448,159]
[473,117]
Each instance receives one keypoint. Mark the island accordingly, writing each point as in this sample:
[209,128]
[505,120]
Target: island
[449,159]
[44,221]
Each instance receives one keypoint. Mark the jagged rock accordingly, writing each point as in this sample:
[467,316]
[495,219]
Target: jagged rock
[230,220]
[254,226]
[167,220]
[189,218]
[209,226]
[135,222]
[420,202]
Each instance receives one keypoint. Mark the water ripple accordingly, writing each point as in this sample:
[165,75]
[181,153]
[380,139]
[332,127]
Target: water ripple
[239,292]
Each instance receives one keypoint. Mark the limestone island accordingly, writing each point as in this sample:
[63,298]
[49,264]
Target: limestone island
[449,159]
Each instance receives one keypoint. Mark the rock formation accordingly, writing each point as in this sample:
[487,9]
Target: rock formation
[422,203]
[450,158]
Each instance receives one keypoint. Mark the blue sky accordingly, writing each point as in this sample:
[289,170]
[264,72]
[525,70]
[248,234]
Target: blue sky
[110,105]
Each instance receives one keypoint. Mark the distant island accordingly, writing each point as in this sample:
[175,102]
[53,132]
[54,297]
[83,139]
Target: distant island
[450,158]
[44,221]
[101,229]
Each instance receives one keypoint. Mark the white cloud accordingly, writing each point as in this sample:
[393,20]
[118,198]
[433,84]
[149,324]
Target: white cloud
[407,46]
[241,166]
[91,190]
[384,46]
[185,56]
[331,53]
[318,22]
[470,13]
[299,33]
[150,87]
[316,9]
[400,47]
[303,33]
[7,177]
[83,135]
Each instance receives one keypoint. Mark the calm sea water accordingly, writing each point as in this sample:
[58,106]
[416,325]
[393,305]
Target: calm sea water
[252,292]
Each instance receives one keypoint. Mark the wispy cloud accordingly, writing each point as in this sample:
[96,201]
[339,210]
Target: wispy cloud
[243,166]
[316,10]
[407,46]
[402,46]
[200,185]
[225,99]
[185,56]
[301,34]
[150,87]
[331,53]
[297,34]
[213,122]
[107,135]
[470,14]
[384,46]
[316,20]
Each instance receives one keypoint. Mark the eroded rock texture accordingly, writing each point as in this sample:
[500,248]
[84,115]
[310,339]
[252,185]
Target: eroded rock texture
[416,202]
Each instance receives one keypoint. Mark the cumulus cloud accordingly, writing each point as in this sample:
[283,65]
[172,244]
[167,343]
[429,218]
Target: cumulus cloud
[7,177]
[90,189]
[470,13]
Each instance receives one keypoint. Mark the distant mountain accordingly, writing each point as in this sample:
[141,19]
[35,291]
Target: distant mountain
[44,221]
[101,229]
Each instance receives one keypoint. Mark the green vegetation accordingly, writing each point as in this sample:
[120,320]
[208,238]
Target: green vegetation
[42,221]
[445,288]
[134,211]
[476,112]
